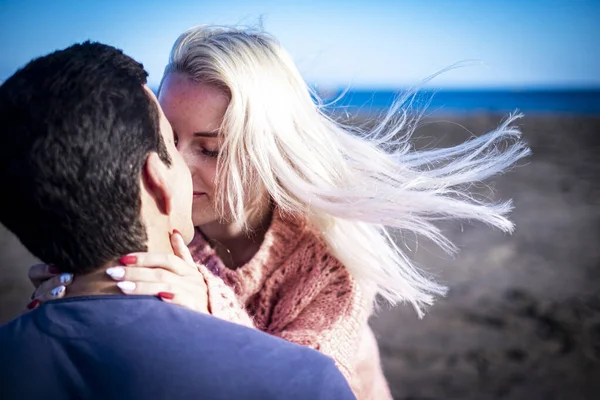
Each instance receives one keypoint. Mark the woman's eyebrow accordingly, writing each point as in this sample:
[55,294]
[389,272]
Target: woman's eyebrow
[206,134]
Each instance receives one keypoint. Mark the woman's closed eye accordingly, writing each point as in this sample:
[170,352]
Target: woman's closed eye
[208,148]
[209,153]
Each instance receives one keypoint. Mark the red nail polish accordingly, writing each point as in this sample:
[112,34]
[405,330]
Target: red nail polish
[128,260]
[166,295]
[33,304]
[177,232]
[53,270]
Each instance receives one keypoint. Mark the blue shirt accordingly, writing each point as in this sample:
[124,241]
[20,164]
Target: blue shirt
[138,347]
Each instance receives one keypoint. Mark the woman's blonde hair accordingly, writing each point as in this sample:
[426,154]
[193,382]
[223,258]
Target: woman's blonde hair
[351,184]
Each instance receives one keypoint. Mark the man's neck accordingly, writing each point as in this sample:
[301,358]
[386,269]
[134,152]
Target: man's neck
[93,283]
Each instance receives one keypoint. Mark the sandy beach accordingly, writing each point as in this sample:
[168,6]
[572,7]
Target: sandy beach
[522,318]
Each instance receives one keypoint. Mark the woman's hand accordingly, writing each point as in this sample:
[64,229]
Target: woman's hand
[173,278]
[49,284]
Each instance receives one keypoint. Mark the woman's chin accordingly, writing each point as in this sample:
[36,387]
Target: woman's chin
[203,218]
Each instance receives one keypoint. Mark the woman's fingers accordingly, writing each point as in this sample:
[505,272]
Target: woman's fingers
[44,292]
[192,283]
[50,289]
[142,274]
[172,277]
[55,293]
[180,249]
[166,292]
[160,260]
[39,273]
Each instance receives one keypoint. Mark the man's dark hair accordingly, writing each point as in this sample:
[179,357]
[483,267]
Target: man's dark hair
[76,127]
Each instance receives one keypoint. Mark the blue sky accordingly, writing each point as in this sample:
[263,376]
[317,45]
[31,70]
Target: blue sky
[381,44]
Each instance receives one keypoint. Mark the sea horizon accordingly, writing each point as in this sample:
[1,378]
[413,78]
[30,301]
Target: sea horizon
[467,100]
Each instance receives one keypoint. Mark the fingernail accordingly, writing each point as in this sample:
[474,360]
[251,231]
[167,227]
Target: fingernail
[166,295]
[126,286]
[66,278]
[33,304]
[57,291]
[53,270]
[116,272]
[177,232]
[128,260]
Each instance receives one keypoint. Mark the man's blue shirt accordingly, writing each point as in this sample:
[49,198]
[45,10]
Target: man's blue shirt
[138,347]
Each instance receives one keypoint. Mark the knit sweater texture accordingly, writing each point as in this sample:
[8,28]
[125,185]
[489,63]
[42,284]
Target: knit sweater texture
[295,289]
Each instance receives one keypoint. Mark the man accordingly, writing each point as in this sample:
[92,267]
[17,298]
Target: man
[89,173]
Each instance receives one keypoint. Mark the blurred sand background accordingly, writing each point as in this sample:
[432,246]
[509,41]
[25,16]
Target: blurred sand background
[522,319]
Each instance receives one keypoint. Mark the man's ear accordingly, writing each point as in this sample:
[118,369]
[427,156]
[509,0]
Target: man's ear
[156,179]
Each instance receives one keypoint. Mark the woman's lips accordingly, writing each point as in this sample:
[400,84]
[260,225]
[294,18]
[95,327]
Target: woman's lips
[199,194]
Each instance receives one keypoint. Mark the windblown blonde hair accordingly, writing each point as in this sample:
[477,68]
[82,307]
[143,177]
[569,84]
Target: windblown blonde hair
[351,184]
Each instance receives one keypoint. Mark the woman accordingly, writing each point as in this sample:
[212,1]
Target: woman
[293,209]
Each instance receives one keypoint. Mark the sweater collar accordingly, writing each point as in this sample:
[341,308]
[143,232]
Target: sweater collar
[281,239]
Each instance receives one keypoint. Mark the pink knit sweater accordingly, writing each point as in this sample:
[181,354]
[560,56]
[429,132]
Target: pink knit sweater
[295,289]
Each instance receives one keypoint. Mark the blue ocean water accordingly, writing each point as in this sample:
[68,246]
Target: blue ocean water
[473,101]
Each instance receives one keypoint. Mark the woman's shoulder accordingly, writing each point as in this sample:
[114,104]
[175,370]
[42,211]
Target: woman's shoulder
[295,231]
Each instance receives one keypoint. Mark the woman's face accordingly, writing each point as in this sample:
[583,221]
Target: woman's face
[196,111]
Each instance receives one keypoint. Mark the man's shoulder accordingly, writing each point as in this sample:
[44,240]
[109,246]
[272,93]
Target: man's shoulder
[16,324]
